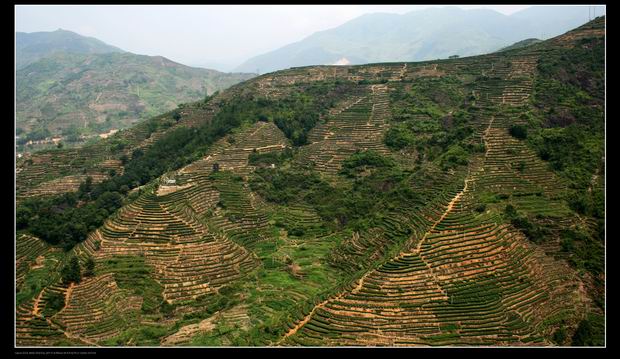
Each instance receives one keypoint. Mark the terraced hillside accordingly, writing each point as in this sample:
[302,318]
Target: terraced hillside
[70,95]
[394,204]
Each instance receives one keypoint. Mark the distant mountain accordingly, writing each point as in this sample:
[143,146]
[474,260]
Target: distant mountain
[214,65]
[30,47]
[65,93]
[520,44]
[420,35]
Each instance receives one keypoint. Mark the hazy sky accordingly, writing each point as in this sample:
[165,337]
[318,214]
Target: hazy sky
[202,34]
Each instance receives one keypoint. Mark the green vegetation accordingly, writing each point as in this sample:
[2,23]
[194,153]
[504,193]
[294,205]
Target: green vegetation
[89,267]
[55,302]
[120,87]
[269,158]
[590,332]
[298,113]
[61,221]
[132,273]
[244,253]
[567,130]
[432,117]
[532,231]
[379,185]
[71,272]
[399,137]
[364,160]
[518,131]
[585,252]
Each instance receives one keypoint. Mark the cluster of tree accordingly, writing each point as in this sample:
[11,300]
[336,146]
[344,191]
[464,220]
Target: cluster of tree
[72,272]
[72,134]
[585,252]
[362,160]
[432,95]
[368,200]
[67,219]
[37,134]
[421,122]
[532,230]
[453,157]
[590,332]
[399,137]
[61,221]
[55,302]
[518,131]
[269,158]
[298,113]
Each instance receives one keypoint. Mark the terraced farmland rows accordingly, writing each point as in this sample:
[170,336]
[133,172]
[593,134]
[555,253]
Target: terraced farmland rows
[401,227]
[231,153]
[29,253]
[236,316]
[445,267]
[96,309]
[187,259]
[471,280]
[358,125]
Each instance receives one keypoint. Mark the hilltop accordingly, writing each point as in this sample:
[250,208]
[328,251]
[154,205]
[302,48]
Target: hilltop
[448,202]
[30,47]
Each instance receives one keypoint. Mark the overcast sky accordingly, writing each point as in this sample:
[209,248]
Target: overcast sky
[203,34]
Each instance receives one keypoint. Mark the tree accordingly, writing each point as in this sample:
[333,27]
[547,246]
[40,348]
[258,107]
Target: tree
[510,211]
[588,333]
[398,138]
[518,131]
[71,272]
[86,186]
[22,217]
[89,267]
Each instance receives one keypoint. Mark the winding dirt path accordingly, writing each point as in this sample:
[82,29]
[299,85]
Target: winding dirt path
[360,283]
[35,308]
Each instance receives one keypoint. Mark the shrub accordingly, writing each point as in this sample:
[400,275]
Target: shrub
[166,308]
[518,131]
[455,156]
[590,332]
[297,232]
[71,271]
[55,301]
[481,208]
[398,138]
[89,267]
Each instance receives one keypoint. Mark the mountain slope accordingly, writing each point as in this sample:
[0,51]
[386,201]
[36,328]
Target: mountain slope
[419,35]
[428,203]
[520,44]
[89,94]
[30,47]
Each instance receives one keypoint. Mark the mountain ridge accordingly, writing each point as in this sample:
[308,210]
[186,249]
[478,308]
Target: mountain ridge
[34,45]
[80,86]
[428,34]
